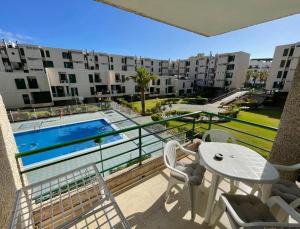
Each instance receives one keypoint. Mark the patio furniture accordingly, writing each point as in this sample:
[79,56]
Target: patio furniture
[217,135]
[286,189]
[248,211]
[190,175]
[238,163]
[78,198]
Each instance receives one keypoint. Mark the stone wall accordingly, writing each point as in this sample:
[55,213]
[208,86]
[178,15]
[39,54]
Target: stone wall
[9,176]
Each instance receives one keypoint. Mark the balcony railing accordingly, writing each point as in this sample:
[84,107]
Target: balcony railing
[183,128]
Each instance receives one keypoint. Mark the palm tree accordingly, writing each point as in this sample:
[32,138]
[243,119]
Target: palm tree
[263,76]
[142,79]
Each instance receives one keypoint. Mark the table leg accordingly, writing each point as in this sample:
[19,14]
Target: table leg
[266,192]
[211,197]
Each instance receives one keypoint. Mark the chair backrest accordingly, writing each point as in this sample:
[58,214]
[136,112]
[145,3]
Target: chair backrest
[170,153]
[217,135]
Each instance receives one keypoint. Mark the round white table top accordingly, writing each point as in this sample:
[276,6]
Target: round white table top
[239,163]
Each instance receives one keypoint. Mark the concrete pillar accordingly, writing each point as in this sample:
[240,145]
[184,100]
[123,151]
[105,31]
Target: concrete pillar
[9,176]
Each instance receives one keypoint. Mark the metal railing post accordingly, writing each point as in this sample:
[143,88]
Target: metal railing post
[193,129]
[210,121]
[140,146]
[11,115]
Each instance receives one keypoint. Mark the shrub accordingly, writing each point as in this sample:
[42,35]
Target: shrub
[172,100]
[231,112]
[197,101]
[157,117]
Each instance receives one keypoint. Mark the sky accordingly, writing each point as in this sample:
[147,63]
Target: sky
[86,24]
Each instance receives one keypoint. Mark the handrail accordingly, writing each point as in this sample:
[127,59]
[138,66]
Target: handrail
[192,131]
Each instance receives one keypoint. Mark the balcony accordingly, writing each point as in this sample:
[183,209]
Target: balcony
[135,172]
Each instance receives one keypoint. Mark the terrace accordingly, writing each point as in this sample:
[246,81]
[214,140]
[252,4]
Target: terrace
[142,176]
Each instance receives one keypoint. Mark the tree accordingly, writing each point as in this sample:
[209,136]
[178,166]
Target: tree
[251,75]
[286,147]
[142,79]
[263,76]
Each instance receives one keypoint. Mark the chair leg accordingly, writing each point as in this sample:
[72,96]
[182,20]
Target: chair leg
[171,183]
[193,198]
[233,186]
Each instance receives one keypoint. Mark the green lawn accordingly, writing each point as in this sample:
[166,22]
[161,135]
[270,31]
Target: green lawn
[268,117]
[149,103]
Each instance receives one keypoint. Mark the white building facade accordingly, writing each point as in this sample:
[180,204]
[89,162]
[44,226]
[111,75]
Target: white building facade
[34,76]
[283,67]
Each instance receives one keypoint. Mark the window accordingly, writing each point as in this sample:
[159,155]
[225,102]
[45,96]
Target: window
[72,78]
[22,52]
[285,74]
[183,85]
[63,77]
[92,89]
[292,51]
[231,58]
[32,82]
[196,69]
[123,78]
[97,66]
[42,53]
[187,63]
[279,74]
[288,62]
[285,52]
[68,90]
[282,63]
[117,77]
[68,64]
[197,62]
[97,78]
[66,55]
[142,62]
[123,60]
[58,91]
[26,99]
[96,58]
[124,68]
[111,59]
[48,64]
[158,82]
[111,67]
[74,91]
[20,83]
[47,53]
[91,78]
[230,66]
[151,62]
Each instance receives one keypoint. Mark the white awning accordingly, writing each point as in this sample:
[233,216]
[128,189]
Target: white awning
[209,17]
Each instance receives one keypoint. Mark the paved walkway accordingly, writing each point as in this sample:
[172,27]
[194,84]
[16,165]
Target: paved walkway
[230,98]
[189,107]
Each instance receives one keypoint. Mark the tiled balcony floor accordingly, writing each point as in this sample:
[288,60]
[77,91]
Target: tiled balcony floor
[144,204]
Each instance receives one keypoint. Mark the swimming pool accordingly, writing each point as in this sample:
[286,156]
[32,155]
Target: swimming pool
[36,139]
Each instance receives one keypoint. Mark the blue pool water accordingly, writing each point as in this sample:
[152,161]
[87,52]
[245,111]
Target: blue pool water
[36,139]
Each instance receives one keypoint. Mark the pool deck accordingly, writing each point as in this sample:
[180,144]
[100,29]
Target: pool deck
[118,119]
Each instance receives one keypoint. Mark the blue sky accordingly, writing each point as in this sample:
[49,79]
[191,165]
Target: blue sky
[86,24]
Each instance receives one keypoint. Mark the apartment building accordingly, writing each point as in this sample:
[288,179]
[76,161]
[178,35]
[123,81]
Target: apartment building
[226,70]
[260,64]
[283,67]
[34,76]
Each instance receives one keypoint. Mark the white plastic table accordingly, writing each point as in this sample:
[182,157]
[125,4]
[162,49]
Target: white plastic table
[239,163]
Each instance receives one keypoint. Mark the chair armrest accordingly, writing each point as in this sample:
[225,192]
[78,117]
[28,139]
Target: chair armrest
[189,152]
[272,201]
[276,200]
[287,167]
[186,177]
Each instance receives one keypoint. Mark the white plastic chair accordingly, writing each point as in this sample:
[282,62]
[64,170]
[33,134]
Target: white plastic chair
[287,190]
[248,211]
[191,175]
[217,135]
